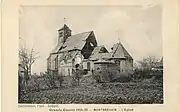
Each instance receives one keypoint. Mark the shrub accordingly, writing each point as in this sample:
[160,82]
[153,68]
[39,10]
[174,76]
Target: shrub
[123,77]
[97,78]
[60,79]
[111,74]
[34,83]
[105,75]
[53,79]
[50,80]
[77,75]
[87,80]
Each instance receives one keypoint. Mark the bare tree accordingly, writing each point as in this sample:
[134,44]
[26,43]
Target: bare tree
[148,62]
[27,57]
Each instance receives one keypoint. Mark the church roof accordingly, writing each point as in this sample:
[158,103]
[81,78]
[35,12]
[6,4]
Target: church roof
[118,51]
[99,52]
[99,49]
[96,50]
[75,41]
[64,27]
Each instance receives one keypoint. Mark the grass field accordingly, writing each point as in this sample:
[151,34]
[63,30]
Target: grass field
[102,93]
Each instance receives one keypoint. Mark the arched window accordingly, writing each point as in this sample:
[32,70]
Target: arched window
[73,62]
[88,66]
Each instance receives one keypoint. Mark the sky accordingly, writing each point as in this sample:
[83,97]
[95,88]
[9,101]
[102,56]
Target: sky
[138,28]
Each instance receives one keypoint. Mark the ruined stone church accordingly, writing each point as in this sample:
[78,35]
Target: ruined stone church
[82,50]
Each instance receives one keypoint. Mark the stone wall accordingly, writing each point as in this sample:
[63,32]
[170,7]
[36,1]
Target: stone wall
[129,66]
[105,72]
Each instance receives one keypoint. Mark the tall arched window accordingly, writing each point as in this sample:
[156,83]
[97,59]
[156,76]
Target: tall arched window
[73,62]
[88,66]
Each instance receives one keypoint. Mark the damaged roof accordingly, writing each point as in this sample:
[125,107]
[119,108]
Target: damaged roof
[99,52]
[118,51]
[99,49]
[73,42]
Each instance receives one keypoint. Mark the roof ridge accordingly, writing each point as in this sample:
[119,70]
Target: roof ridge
[82,33]
[125,51]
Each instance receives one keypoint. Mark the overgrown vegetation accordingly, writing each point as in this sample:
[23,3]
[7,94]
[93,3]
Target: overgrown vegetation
[114,93]
[143,86]
[111,74]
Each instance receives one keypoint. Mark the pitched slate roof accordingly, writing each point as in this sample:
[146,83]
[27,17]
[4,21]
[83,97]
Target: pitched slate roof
[99,49]
[96,50]
[99,52]
[76,41]
[73,42]
[118,51]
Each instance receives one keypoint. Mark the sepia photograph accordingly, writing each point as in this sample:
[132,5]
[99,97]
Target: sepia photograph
[90,55]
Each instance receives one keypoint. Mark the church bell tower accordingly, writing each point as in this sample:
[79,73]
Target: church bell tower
[64,33]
